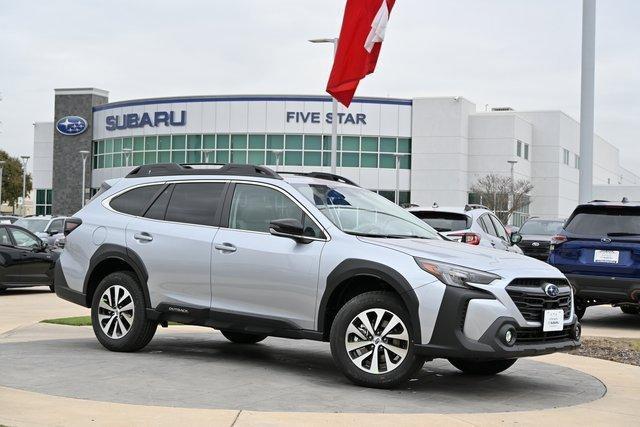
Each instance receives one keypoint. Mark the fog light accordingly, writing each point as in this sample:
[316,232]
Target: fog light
[576,332]
[508,335]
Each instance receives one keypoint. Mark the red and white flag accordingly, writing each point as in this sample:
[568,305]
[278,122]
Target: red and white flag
[361,37]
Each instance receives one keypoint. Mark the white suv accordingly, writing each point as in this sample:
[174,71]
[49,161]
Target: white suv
[254,254]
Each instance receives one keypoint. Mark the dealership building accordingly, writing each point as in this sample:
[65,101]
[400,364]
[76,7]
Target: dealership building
[439,146]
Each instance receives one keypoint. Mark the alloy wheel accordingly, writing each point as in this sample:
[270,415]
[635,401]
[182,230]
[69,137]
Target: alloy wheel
[116,311]
[377,341]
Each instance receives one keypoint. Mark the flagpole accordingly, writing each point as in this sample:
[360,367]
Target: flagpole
[334,110]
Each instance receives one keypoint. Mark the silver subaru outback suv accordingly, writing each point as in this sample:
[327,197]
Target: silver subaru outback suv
[255,253]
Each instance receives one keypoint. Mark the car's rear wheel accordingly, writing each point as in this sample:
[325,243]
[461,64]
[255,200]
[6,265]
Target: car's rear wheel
[243,338]
[118,313]
[482,367]
[372,341]
[630,309]
[52,288]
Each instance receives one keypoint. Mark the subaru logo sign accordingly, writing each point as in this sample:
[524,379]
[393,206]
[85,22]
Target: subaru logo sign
[605,240]
[71,125]
[551,290]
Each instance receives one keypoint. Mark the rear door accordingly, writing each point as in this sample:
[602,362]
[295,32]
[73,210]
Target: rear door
[10,260]
[173,237]
[491,233]
[601,240]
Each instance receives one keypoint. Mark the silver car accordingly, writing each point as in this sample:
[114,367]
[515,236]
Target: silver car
[472,224]
[255,253]
[46,227]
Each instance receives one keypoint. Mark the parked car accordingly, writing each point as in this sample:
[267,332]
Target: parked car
[472,224]
[25,259]
[255,253]
[536,236]
[8,219]
[597,249]
[46,227]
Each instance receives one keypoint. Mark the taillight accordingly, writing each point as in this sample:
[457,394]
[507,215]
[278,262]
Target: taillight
[71,224]
[558,238]
[469,238]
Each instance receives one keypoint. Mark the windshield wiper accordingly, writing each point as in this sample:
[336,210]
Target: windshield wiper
[622,234]
[387,236]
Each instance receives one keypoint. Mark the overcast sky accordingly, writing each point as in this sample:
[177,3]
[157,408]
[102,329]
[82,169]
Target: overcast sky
[519,53]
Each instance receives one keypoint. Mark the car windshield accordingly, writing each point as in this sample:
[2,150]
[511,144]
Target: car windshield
[444,221]
[34,225]
[605,220]
[541,227]
[361,212]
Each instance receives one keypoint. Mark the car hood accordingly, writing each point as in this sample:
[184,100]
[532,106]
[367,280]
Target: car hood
[478,257]
[536,238]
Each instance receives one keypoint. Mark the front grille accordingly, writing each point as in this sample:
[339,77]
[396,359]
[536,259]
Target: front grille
[536,335]
[530,298]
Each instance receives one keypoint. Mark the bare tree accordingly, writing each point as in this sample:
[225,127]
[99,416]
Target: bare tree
[494,191]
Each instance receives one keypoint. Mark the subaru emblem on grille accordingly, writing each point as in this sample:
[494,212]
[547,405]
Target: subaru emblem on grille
[551,290]
[535,244]
[605,240]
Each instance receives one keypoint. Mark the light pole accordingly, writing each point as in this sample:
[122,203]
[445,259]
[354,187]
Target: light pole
[277,153]
[25,159]
[84,154]
[2,162]
[206,155]
[511,195]
[397,192]
[127,155]
[585,185]
[334,110]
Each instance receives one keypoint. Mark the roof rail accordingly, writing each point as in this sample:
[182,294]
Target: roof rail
[173,169]
[323,175]
[472,206]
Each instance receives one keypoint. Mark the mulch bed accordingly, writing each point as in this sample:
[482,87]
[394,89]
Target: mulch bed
[623,350]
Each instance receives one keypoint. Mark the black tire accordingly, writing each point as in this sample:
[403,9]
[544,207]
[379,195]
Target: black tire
[630,309]
[391,378]
[141,329]
[52,288]
[243,338]
[579,308]
[482,367]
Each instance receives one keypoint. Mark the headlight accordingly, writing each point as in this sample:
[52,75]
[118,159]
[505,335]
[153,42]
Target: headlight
[455,275]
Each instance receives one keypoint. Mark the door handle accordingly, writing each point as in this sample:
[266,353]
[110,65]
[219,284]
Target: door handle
[225,247]
[493,244]
[143,237]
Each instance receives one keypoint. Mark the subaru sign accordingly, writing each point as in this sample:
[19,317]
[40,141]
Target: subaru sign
[71,125]
[135,120]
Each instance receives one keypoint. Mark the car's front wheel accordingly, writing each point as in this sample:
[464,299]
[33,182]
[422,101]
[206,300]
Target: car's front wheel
[52,288]
[580,308]
[630,309]
[482,367]
[372,341]
[243,338]
[118,313]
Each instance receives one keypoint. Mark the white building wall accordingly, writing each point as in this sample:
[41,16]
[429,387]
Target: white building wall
[440,150]
[42,155]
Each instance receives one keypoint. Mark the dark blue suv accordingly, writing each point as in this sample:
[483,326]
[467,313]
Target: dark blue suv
[598,249]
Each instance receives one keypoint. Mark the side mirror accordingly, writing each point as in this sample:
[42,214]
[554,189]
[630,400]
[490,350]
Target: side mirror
[288,227]
[515,238]
[53,232]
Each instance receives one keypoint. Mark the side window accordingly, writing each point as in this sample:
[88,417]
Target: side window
[253,207]
[56,226]
[195,203]
[487,226]
[502,233]
[158,208]
[133,201]
[24,239]
[4,237]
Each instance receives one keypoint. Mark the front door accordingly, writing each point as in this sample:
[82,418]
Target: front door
[173,238]
[10,260]
[35,263]
[258,274]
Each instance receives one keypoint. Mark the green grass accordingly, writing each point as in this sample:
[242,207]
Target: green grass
[635,344]
[70,321]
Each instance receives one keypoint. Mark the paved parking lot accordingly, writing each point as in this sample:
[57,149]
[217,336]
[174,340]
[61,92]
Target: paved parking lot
[198,370]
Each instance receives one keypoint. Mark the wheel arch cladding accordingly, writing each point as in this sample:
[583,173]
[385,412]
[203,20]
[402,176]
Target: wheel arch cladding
[355,276]
[110,258]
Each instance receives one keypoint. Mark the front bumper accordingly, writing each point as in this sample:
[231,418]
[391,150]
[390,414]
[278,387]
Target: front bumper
[449,340]
[605,289]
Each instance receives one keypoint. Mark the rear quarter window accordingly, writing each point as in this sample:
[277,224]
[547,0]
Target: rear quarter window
[603,220]
[444,221]
[134,201]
